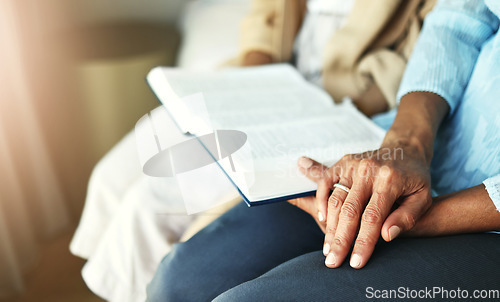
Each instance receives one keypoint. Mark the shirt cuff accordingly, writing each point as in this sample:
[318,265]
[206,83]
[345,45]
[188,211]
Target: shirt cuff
[492,185]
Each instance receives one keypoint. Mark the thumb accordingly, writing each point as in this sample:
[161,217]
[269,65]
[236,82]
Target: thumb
[405,216]
[311,168]
[306,204]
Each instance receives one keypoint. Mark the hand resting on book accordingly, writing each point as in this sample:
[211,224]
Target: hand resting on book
[388,194]
[388,191]
[389,187]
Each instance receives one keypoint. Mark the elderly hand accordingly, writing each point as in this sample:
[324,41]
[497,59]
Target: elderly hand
[383,192]
[378,181]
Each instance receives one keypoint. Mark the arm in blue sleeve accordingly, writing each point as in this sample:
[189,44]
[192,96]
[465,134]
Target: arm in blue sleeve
[447,49]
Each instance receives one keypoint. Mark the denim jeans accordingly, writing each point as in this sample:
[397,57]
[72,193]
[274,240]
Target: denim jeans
[273,253]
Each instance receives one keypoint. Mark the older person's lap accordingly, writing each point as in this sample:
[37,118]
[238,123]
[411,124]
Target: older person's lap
[442,268]
[241,245]
[273,253]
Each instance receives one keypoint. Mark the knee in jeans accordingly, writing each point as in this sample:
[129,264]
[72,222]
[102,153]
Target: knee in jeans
[171,280]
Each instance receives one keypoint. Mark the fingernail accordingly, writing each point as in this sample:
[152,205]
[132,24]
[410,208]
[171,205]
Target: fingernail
[320,216]
[355,261]
[305,162]
[394,232]
[326,249]
[330,259]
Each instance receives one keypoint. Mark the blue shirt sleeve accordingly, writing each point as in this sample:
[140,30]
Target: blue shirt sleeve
[445,54]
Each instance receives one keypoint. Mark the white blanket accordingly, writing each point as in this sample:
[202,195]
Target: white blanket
[129,223]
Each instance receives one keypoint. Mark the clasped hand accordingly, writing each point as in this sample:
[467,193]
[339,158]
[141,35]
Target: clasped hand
[389,191]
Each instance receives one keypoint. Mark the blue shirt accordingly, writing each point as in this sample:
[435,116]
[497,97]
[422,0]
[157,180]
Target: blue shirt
[457,57]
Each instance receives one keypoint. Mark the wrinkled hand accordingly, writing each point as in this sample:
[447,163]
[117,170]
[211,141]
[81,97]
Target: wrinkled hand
[389,191]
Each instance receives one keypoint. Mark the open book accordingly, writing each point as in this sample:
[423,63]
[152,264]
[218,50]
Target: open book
[256,122]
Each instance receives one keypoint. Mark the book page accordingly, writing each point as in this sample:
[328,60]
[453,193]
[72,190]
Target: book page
[325,137]
[276,76]
[275,92]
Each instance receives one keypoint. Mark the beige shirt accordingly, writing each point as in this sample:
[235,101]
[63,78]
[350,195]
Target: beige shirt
[370,50]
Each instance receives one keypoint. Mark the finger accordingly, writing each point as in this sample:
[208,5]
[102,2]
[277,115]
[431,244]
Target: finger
[405,216]
[334,204]
[324,190]
[335,201]
[322,194]
[311,168]
[318,173]
[306,204]
[379,206]
[348,222]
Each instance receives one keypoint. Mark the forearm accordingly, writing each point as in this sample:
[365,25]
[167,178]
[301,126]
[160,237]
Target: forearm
[419,116]
[256,58]
[466,211]
[259,30]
